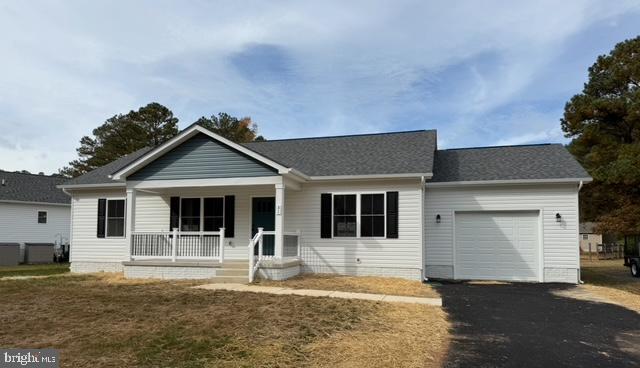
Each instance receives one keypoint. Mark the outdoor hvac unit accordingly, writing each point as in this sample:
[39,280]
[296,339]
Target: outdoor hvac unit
[38,253]
[9,254]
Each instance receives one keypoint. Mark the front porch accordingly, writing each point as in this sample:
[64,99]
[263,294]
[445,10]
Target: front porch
[210,229]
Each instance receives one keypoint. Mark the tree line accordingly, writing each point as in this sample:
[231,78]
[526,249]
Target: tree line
[149,126]
[604,122]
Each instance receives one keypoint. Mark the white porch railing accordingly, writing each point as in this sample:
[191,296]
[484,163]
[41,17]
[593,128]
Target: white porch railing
[291,249]
[178,245]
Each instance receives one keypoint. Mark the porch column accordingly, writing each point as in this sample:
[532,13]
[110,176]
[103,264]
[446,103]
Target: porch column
[130,218]
[279,228]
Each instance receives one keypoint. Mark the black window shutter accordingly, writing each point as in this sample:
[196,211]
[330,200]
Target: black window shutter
[229,216]
[102,217]
[174,221]
[392,215]
[325,215]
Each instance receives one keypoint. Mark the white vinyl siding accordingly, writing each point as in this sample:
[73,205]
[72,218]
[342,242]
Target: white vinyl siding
[361,256]
[85,244]
[19,223]
[559,239]
[152,212]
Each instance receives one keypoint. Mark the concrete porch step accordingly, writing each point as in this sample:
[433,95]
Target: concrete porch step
[235,265]
[224,271]
[229,279]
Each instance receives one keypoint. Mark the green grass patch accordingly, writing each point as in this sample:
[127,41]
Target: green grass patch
[34,270]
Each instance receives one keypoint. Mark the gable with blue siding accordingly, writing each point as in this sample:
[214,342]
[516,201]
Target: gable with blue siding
[201,157]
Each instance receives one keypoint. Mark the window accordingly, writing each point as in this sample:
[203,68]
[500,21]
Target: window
[344,215]
[201,213]
[42,217]
[585,236]
[115,217]
[213,214]
[190,214]
[372,215]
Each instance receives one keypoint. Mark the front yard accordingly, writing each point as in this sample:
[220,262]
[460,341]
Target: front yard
[34,270]
[100,321]
[611,280]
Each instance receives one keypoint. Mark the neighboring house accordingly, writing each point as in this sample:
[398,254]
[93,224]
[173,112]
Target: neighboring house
[33,209]
[589,237]
[376,204]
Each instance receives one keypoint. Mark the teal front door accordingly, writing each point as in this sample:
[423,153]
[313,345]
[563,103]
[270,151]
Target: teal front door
[263,214]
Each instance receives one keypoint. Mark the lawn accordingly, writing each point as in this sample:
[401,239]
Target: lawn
[611,280]
[610,273]
[34,270]
[106,321]
[360,284]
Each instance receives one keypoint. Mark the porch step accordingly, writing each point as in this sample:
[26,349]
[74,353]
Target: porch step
[224,271]
[229,279]
[235,265]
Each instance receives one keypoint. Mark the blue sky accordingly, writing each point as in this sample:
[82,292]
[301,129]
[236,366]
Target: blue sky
[481,73]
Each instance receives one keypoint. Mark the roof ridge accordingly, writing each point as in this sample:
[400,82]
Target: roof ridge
[504,146]
[345,136]
[53,176]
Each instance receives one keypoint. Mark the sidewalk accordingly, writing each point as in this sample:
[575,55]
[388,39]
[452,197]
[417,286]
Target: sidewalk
[323,293]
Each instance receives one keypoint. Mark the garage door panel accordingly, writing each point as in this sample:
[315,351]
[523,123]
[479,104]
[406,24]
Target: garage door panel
[497,245]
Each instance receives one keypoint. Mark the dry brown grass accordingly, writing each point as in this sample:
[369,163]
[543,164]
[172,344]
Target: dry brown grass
[408,336]
[107,321]
[359,284]
[621,297]
[610,273]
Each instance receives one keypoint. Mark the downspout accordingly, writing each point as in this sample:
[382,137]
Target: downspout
[579,268]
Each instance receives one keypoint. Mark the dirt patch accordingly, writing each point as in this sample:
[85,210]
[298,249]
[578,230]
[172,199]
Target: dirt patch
[359,284]
[105,320]
[620,297]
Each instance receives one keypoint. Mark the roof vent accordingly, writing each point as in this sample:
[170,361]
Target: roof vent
[4,182]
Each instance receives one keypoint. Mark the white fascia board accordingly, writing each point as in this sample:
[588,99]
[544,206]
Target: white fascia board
[173,142]
[37,203]
[372,176]
[515,181]
[91,186]
[185,183]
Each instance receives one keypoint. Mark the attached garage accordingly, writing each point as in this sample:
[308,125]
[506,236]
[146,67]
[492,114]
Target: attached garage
[497,245]
[503,213]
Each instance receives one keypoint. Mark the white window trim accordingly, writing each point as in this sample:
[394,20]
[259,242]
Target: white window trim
[359,215]
[106,219]
[46,217]
[201,225]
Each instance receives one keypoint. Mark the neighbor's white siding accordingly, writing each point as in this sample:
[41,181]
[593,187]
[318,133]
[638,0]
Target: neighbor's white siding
[400,257]
[559,240]
[19,223]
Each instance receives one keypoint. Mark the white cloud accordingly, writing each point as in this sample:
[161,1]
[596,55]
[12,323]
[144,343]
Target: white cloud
[354,66]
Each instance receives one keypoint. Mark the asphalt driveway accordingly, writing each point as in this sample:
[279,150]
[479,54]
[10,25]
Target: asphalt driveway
[534,325]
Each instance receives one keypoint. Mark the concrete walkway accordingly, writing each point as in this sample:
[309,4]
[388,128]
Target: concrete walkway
[323,293]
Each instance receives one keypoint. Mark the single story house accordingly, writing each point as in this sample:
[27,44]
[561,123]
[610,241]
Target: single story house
[589,237]
[33,209]
[390,204]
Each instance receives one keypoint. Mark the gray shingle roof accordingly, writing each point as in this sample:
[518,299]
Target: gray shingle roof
[544,161]
[369,154]
[32,188]
[101,174]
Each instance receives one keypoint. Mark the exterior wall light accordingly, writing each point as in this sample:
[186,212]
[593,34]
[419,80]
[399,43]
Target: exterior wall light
[438,219]
[558,217]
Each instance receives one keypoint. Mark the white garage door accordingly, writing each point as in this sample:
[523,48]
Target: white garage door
[497,245]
